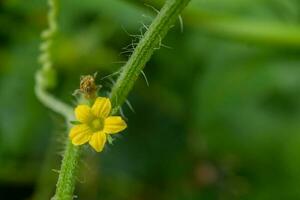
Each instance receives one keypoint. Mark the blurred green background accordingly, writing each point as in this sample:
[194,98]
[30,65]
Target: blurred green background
[219,120]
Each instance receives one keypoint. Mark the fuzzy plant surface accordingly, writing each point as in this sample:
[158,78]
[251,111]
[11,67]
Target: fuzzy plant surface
[45,79]
[144,50]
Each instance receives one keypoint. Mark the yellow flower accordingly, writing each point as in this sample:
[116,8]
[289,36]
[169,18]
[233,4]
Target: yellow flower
[95,124]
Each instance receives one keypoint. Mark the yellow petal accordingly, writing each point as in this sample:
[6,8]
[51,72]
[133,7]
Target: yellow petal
[80,134]
[101,107]
[98,140]
[114,124]
[83,114]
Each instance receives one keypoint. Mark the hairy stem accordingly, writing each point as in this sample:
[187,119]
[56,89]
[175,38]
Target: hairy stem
[46,79]
[67,175]
[151,40]
[144,50]
[46,76]
[53,103]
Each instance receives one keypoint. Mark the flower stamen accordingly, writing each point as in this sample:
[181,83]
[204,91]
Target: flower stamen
[97,124]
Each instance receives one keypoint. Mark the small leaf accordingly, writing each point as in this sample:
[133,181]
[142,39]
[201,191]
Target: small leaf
[75,122]
[110,139]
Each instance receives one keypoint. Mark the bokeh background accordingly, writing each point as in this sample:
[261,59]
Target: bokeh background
[219,119]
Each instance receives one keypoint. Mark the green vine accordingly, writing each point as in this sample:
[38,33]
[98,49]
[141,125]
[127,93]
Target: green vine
[67,175]
[45,79]
[46,76]
[144,50]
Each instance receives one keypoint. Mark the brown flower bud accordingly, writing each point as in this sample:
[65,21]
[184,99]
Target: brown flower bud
[88,86]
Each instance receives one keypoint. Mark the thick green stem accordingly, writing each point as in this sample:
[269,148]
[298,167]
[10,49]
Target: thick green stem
[144,50]
[67,175]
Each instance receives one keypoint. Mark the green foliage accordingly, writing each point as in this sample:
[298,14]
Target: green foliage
[219,120]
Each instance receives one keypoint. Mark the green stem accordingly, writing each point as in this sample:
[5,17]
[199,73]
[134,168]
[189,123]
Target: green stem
[46,76]
[230,26]
[67,176]
[45,79]
[144,50]
[53,103]
[152,38]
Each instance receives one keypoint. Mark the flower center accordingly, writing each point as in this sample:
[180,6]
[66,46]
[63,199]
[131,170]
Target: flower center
[97,124]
